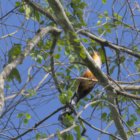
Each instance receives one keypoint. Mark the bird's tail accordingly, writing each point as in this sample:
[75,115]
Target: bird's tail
[74,99]
[70,107]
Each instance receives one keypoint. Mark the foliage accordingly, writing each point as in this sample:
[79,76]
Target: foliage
[40,84]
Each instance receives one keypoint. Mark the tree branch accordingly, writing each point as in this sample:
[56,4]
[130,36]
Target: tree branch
[78,47]
[30,45]
[52,63]
[97,129]
[41,10]
[39,123]
[61,132]
[109,44]
[131,87]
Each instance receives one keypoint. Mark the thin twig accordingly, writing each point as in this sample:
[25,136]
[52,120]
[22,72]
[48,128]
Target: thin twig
[37,124]
[109,44]
[52,62]
[40,9]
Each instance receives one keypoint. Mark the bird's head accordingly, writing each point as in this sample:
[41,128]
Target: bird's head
[96,57]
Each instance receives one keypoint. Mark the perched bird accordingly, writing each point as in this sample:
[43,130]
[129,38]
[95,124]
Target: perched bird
[86,83]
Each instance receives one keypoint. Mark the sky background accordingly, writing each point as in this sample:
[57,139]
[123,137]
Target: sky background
[46,100]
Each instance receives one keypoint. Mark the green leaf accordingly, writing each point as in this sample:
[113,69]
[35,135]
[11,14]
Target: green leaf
[100,50]
[25,121]
[71,58]
[112,69]
[118,17]
[133,117]
[31,92]
[82,53]
[39,58]
[36,16]
[106,13]
[137,64]
[138,129]
[59,136]
[100,30]
[122,59]
[20,5]
[14,75]
[57,56]
[67,136]
[70,93]
[17,4]
[83,138]
[77,14]
[107,27]
[14,52]
[63,98]
[20,115]
[104,116]
[40,136]
[7,86]
[68,120]
[138,111]
[28,116]
[130,123]
[132,120]
[85,40]
[76,40]
[135,48]
[104,1]
[99,22]
[77,129]
[70,137]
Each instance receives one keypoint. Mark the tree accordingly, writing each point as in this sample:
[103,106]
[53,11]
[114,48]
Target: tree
[46,45]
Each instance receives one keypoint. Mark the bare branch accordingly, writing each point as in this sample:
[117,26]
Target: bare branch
[39,123]
[78,47]
[131,87]
[109,44]
[41,10]
[61,132]
[30,45]
[97,129]
[52,63]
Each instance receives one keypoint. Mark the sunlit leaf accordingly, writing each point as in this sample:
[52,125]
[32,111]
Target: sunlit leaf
[28,116]
[27,10]
[104,1]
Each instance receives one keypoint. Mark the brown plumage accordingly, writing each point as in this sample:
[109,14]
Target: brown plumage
[86,84]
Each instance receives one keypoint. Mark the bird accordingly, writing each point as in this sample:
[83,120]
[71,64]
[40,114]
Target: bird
[85,84]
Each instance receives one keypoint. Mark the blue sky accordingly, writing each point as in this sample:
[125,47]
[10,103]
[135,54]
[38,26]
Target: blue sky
[47,99]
